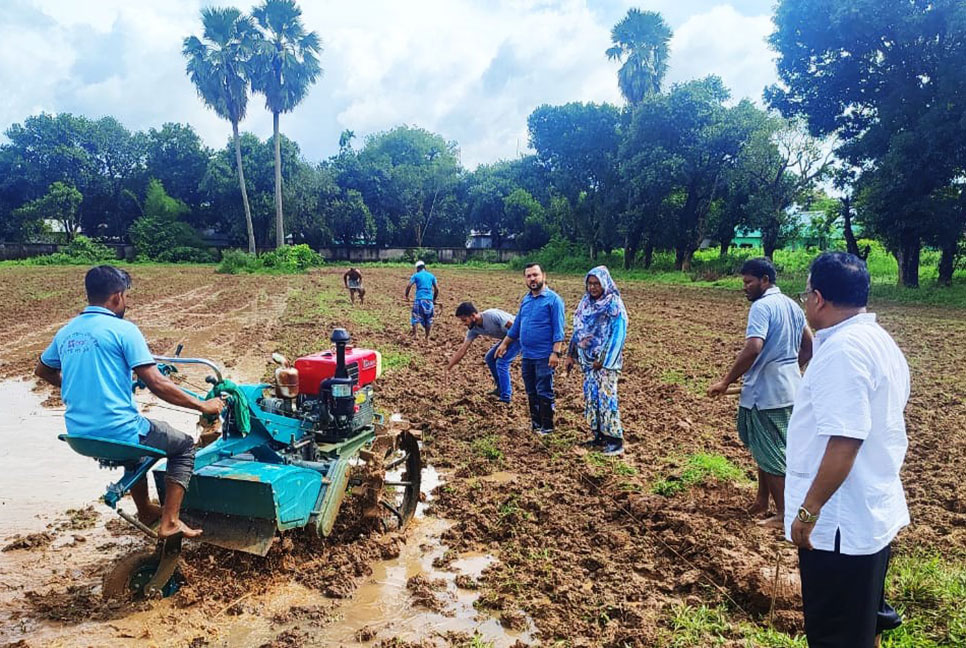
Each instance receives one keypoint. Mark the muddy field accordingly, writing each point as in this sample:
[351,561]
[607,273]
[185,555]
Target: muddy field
[576,548]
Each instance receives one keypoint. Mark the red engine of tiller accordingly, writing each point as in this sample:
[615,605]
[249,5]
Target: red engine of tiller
[362,365]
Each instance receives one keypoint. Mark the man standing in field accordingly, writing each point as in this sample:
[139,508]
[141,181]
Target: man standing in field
[844,501]
[493,323]
[425,299]
[777,345]
[539,327]
[353,282]
[92,359]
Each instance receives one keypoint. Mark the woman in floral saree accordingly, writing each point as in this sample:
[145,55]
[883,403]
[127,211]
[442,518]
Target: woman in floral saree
[600,328]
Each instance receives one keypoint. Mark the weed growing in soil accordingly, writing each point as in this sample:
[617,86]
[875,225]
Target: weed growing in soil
[700,468]
[709,626]
[928,590]
[488,448]
[395,359]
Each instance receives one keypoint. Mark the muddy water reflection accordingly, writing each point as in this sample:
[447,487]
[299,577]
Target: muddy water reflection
[40,476]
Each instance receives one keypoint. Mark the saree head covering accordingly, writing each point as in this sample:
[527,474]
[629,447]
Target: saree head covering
[595,319]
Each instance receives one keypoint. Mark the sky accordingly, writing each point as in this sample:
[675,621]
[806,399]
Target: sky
[470,70]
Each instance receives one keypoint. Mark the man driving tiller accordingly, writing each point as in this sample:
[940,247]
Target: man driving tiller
[91,359]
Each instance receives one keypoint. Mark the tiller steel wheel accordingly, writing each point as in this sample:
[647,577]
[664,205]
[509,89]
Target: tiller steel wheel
[393,469]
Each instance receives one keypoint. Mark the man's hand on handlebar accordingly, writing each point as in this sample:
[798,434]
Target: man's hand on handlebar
[212,406]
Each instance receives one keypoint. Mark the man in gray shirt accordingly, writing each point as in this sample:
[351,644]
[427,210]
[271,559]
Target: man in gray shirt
[492,323]
[778,344]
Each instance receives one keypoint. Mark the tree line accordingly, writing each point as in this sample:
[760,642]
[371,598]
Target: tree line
[867,126]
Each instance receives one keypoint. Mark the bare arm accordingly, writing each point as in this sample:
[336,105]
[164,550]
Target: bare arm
[840,453]
[460,352]
[805,350]
[345,279]
[410,285]
[746,358]
[165,389]
[49,374]
[435,292]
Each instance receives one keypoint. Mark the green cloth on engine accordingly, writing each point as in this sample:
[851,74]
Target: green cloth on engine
[239,403]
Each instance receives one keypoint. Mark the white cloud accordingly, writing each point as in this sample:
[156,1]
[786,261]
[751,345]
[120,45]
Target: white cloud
[724,42]
[472,70]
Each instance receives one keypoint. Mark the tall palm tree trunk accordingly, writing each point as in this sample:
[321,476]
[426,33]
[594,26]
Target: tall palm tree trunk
[244,190]
[279,225]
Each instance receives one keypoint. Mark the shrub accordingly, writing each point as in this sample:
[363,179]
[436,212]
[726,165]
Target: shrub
[426,255]
[293,259]
[188,255]
[235,261]
[80,251]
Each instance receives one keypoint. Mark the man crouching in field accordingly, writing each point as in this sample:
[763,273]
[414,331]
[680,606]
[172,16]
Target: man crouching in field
[92,359]
[777,345]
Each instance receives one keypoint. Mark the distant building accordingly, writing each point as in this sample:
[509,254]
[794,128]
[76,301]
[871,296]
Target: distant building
[483,240]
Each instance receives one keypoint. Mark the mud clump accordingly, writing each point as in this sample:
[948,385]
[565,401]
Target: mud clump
[29,542]
[289,639]
[426,593]
[79,519]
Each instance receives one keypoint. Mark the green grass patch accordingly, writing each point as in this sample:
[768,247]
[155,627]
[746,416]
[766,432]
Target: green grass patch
[698,469]
[488,448]
[693,627]
[929,591]
[364,318]
[395,359]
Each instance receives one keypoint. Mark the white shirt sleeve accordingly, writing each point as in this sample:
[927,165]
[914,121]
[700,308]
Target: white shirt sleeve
[841,388]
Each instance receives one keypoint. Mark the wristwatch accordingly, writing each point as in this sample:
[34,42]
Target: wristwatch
[805,517]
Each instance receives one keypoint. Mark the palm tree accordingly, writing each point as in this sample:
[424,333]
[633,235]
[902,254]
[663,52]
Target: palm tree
[345,140]
[641,44]
[286,63]
[217,66]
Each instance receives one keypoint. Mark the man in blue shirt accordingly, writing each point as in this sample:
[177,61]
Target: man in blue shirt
[425,298]
[92,359]
[539,326]
[778,344]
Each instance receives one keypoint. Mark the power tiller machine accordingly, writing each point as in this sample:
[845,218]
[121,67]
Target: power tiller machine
[284,459]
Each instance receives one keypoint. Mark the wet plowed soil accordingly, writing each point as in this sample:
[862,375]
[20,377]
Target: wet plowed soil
[585,552]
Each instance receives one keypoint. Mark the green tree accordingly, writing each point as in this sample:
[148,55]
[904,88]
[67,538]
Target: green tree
[176,157]
[160,229]
[640,42]
[217,66]
[577,144]
[351,221]
[59,204]
[886,79]
[528,217]
[285,65]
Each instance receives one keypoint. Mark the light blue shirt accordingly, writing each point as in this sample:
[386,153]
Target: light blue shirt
[96,353]
[424,281]
[774,378]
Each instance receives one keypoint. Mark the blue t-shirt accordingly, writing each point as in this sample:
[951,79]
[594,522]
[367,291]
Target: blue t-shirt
[774,377]
[424,281]
[539,324]
[96,353]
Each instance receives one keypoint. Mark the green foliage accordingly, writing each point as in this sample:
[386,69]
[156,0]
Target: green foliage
[488,447]
[698,469]
[187,255]
[929,590]
[291,259]
[396,359]
[59,204]
[80,251]
[159,232]
[426,255]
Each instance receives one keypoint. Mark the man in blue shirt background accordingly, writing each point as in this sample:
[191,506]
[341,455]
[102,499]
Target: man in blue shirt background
[539,326]
[92,359]
[425,298]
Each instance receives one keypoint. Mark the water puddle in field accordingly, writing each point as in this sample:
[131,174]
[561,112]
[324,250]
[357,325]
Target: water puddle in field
[40,477]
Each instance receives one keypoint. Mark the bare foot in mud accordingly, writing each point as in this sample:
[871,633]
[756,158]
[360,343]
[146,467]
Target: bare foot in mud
[758,507]
[774,522]
[170,529]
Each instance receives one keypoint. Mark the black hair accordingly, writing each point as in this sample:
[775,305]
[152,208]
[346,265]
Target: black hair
[103,281]
[759,268]
[464,309]
[842,278]
[531,264]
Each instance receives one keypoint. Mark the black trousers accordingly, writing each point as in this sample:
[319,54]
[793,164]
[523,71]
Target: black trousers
[844,597]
